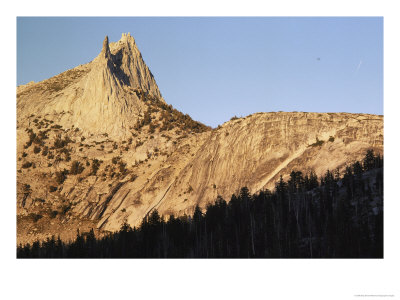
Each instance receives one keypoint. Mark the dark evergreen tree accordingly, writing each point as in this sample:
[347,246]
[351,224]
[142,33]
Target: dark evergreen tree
[341,218]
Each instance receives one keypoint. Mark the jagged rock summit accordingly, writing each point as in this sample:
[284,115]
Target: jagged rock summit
[105,51]
[97,147]
[103,96]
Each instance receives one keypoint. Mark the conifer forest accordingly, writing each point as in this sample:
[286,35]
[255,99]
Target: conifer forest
[339,215]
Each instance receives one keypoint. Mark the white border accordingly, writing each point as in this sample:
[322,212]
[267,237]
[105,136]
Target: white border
[199,279]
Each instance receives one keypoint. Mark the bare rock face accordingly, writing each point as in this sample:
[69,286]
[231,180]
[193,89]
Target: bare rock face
[99,97]
[105,51]
[254,152]
[98,146]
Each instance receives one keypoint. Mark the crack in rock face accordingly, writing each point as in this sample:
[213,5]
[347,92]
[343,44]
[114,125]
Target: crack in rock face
[98,145]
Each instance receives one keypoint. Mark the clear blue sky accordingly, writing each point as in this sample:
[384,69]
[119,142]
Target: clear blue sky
[215,68]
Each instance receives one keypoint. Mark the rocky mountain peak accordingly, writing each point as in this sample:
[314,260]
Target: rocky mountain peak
[103,96]
[105,51]
[98,144]
[126,37]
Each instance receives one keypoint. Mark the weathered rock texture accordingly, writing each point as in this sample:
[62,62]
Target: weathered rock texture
[150,155]
[99,97]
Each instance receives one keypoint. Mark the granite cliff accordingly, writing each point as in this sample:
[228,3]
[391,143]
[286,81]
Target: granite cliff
[98,146]
[102,96]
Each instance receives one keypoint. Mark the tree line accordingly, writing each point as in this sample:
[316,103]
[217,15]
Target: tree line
[334,216]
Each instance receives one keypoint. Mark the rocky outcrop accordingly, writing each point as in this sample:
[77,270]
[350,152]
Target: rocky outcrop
[131,153]
[102,96]
[105,51]
[253,152]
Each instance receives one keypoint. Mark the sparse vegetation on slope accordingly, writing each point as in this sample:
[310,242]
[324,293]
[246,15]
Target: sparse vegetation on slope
[169,117]
[120,113]
[56,83]
[301,218]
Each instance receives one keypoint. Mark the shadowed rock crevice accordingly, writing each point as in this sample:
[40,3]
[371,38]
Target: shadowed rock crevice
[120,74]
[134,153]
